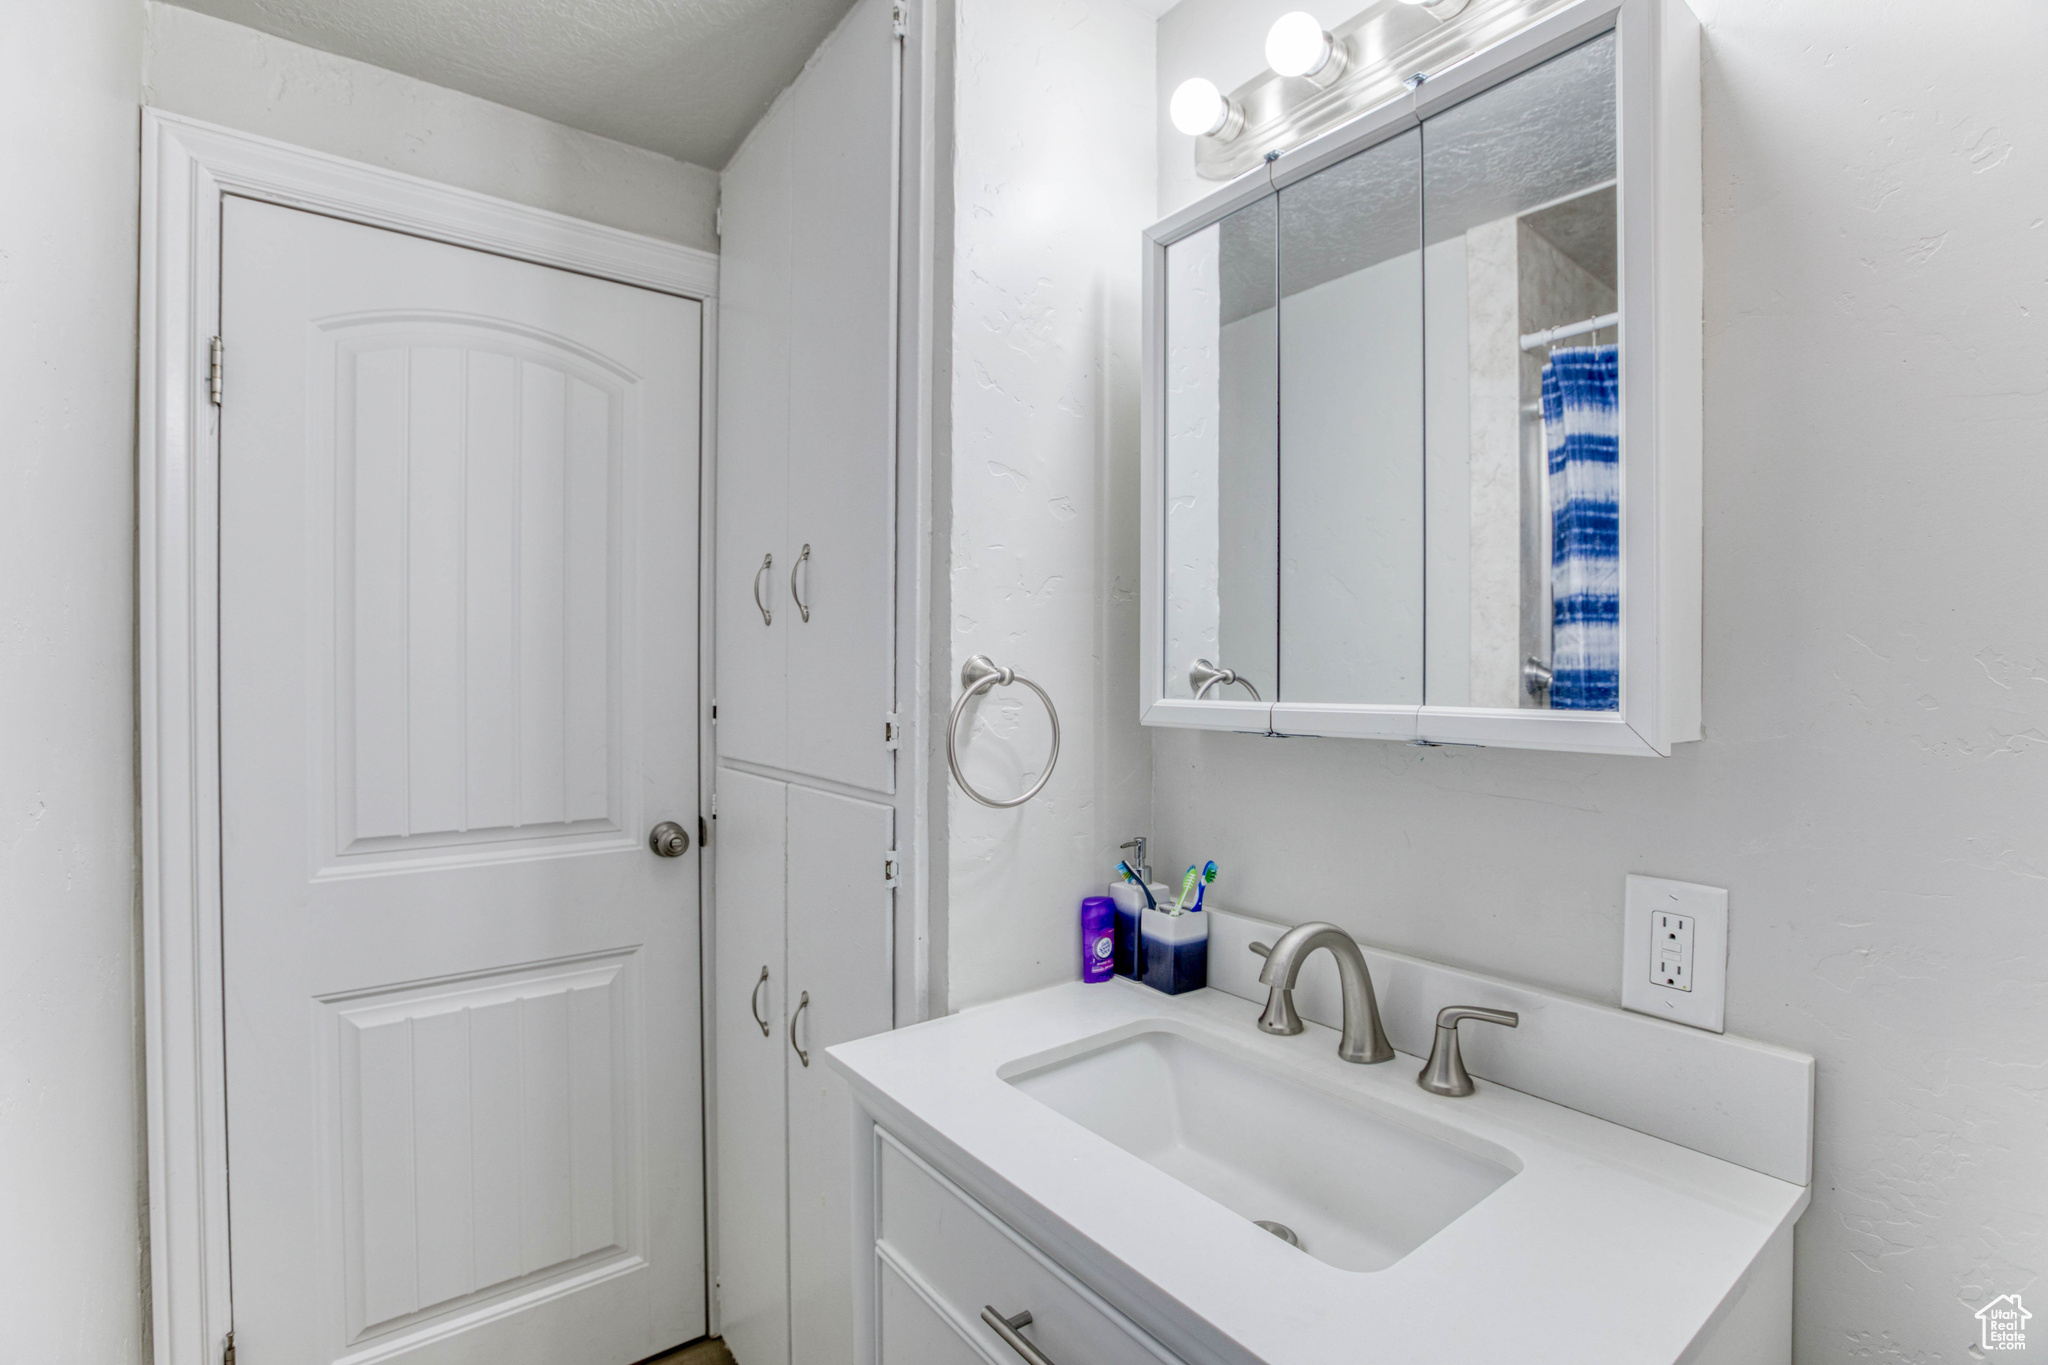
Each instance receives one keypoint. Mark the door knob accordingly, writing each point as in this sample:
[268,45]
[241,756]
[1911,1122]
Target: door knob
[669,839]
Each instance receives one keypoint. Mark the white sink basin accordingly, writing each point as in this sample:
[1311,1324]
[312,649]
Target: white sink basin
[1359,1189]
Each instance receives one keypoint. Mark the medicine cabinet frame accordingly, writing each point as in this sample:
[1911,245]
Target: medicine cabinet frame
[1660,299]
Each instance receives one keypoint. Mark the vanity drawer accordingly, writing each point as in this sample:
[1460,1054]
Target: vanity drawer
[913,1331]
[966,1258]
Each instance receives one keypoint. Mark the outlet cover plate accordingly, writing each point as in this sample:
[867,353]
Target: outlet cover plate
[1642,988]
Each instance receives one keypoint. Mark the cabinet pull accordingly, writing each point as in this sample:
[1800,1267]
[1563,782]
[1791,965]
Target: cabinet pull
[754,1002]
[803,1003]
[767,616]
[801,560]
[1006,1328]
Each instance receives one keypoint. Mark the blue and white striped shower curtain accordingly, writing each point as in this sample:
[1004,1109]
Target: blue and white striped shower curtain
[1582,434]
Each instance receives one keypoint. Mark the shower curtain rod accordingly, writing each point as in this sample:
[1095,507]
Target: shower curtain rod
[1570,329]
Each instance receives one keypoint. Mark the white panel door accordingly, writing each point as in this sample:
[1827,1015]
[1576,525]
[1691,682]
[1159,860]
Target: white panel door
[458,518]
[842,466]
[839,953]
[752,1047]
[754,557]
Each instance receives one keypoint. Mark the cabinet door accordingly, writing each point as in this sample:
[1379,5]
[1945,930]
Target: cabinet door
[754,609]
[912,1329]
[839,946]
[842,466]
[753,1245]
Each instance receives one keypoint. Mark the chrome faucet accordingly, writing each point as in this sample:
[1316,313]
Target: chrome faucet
[1363,1040]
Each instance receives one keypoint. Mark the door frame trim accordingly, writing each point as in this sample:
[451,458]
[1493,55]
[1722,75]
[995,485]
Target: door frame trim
[188,168]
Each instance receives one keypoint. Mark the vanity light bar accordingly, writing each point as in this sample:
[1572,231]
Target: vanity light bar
[1317,78]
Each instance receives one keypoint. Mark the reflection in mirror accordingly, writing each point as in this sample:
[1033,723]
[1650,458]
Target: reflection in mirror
[1222,457]
[1351,450]
[1524,371]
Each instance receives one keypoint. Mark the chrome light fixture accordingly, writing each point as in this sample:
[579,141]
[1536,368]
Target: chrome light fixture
[1299,45]
[1442,9]
[1199,109]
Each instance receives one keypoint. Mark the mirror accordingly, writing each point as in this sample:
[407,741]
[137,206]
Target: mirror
[1351,563]
[1390,393]
[1518,191]
[1222,458]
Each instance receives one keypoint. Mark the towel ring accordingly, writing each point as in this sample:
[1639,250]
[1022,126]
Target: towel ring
[1205,675]
[978,675]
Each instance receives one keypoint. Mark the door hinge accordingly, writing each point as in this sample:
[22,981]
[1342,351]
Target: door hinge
[213,372]
[714,805]
[891,870]
[714,711]
[227,1352]
[899,18]
[892,732]
[703,832]
[718,220]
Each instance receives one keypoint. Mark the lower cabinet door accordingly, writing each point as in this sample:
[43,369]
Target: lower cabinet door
[751,991]
[913,1332]
[839,959]
[967,1259]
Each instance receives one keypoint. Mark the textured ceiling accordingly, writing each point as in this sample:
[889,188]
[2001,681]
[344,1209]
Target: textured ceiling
[683,77]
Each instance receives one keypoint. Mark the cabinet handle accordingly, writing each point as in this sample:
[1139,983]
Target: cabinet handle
[1006,1328]
[754,1002]
[767,616]
[801,560]
[803,1003]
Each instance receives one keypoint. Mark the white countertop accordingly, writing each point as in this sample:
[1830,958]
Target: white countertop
[1607,1247]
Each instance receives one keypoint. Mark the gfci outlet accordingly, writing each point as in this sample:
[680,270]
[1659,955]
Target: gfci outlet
[1674,960]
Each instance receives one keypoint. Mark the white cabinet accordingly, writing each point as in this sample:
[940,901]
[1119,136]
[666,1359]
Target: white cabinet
[941,1257]
[803,963]
[805,622]
[807,429]
[750,986]
[842,395]
[839,951]
[753,442]
[1422,432]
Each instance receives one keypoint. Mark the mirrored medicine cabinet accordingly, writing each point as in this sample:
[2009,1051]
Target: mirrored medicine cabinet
[1423,416]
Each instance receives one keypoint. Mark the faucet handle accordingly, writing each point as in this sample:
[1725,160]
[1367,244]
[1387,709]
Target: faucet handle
[1263,949]
[1444,1073]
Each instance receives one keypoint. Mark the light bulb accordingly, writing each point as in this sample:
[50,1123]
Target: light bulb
[1296,45]
[1199,109]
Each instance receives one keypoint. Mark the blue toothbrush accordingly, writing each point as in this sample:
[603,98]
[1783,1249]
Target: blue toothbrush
[1129,875]
[1208,875]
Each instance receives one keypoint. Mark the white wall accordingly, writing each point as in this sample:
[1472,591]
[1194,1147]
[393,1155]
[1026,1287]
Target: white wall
[1873,787]
[224,73]
[71,1172]
[72,1251]
[1052,183]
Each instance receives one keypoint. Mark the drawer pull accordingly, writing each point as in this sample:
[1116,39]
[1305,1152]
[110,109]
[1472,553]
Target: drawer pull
[1006,1328]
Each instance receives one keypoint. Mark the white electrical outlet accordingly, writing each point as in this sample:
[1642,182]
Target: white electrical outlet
[1674,959]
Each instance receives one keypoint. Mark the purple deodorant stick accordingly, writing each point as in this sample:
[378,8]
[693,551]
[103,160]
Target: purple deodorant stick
[1098,938]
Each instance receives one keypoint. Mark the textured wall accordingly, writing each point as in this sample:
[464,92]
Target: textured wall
[224,73]
[71,1172]
[1052,180]
[1873,787]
